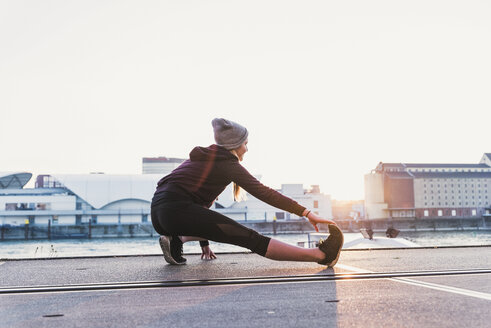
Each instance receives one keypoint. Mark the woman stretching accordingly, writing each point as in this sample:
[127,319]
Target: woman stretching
[180,206]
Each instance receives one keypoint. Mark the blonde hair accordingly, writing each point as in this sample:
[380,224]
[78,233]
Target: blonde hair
[238,194]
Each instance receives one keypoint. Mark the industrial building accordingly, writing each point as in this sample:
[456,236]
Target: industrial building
[408,190]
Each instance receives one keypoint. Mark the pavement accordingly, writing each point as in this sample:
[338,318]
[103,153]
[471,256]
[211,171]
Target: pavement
[420,287]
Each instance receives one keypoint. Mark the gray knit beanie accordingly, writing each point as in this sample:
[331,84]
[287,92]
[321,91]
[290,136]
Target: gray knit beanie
[228,134]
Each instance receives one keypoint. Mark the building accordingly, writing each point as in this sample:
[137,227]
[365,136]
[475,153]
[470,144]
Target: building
[404,190]
[76,199]
[253,209]
[348,209]
[160,165]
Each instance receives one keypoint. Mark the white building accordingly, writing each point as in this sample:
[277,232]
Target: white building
[112,199]
[78,198]
[253,209]
[160,165]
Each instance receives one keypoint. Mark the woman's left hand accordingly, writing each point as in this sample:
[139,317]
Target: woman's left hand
[314,220]
[207,253]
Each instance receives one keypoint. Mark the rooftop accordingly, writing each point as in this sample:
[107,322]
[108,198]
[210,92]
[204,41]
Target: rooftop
[14,180]
[162,160]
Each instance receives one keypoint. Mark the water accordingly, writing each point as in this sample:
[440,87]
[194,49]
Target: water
[139,246]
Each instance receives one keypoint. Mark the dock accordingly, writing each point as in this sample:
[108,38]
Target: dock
[415,287]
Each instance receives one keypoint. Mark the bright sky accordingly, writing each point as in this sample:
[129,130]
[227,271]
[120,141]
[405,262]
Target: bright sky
[327,89]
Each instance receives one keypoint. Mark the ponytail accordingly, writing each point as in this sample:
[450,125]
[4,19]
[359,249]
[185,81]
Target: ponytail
[238,194]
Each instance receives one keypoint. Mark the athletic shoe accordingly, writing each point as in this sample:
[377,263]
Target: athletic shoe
[172,249]
[332,246]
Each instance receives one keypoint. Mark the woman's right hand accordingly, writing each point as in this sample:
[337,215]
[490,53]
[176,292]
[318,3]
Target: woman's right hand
[207,253]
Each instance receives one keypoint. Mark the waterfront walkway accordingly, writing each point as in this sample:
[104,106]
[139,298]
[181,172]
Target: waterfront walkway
[423,287]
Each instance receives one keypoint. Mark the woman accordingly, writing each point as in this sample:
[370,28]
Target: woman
[180,206]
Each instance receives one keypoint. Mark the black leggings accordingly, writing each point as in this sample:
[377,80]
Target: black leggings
[176,215]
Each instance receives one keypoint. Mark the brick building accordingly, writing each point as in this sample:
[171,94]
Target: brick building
[407,190]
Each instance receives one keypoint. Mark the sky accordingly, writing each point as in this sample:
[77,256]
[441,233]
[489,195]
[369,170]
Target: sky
[327,89]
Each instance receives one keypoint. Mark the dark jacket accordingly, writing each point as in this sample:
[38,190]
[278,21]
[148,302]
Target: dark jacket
[208,171]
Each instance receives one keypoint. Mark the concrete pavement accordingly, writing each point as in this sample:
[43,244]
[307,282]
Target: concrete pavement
[389,288]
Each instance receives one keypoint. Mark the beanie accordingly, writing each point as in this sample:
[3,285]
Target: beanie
[228,134]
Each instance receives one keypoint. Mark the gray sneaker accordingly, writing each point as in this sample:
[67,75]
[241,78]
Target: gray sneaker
[332,246]
[172,250]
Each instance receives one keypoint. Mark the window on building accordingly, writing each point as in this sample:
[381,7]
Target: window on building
[440,212]
[454,212]
[426,213]
[280,215]
[474,212]
[316,204]
[43,206]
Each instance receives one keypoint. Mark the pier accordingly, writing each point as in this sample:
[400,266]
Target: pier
[420,287]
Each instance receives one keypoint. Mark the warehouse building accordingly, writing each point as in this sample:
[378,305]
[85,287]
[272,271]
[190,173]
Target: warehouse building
[408,190]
